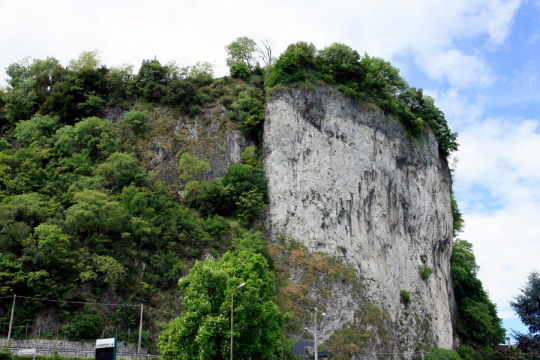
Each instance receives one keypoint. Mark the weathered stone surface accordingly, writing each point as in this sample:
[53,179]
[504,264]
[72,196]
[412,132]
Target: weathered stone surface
[346,181]
[209,136]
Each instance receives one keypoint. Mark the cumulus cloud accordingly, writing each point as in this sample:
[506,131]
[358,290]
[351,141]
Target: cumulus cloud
[497,180]
[129,31]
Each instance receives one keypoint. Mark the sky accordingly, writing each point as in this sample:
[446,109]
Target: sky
[479,59]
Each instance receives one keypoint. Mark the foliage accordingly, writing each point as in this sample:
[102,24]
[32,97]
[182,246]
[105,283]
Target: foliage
[458,221]
[202,73]
[5,354]
[192,168]
[251,111]
[294,65]
[405,297]
[136,119]
[425,271]
[527,306]
[241,50]
[478,323]
[443,354]
[84,326]
[365,79]
[240,70]
[204,330]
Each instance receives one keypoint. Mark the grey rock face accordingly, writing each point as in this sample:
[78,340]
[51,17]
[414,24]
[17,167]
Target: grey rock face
[346,181]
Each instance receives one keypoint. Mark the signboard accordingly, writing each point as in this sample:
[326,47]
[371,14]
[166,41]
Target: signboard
[106,349]
[26,352]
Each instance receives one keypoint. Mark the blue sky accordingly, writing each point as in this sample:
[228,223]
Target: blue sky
[478,58]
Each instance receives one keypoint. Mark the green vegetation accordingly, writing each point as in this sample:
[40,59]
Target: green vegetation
[405,297]
[366,79]
[443,354]
[425,271]
[478,324]
[204,331]
[527,306]
[83,220]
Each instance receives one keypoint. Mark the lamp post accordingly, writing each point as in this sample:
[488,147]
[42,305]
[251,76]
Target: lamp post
[315,313]
[232,314]
[315,333]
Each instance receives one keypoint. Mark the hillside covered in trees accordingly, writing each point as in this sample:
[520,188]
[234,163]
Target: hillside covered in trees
[83,218]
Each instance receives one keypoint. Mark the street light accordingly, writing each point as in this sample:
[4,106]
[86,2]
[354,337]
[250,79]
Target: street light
[315,332]
[315,312]
[232,314]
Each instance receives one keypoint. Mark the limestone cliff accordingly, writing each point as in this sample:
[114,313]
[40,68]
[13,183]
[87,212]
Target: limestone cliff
[345,180]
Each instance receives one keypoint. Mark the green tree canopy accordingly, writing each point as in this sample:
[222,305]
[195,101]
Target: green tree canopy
[204,330]
[478,323]
[242,49]
[527,306]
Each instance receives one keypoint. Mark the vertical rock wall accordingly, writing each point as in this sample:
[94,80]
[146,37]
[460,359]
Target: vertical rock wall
[346,181]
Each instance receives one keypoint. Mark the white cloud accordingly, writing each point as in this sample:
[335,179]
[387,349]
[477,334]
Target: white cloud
[500,157]
[507,314]
[129,31]
[459,69]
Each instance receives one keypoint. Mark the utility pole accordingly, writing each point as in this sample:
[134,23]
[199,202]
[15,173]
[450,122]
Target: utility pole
[11,318]
[140,330]
[315,350]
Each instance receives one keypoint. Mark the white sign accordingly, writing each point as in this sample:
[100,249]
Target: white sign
[27,352]
[104,343]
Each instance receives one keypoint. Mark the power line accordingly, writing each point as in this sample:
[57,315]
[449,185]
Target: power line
[91,303]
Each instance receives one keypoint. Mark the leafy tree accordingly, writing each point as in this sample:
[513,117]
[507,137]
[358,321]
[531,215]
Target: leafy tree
[478,323]
[84,326]
[94,211]
[121,169]
[240,70]
[152,80]
[192,168]
[527,306]
[339,64]
[31,83]
[202,72]
[443,354]
[242,49]
[136,119]
[294,65]
[204,330]
[87,60]
[39,128]
[251,110]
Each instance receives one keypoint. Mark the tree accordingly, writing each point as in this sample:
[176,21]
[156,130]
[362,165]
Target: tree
[478,323]
[204,330]
[87,60]
[527,306]
[265,53]
[242,49]
[443,354]
[294,65]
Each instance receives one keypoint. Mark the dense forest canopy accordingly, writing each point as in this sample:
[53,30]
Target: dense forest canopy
[81,218]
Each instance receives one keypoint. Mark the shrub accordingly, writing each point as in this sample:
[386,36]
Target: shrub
[84,326]
[136,119]
[443,354]
[425,271]
[240,70]
[5,354]
[405,297]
